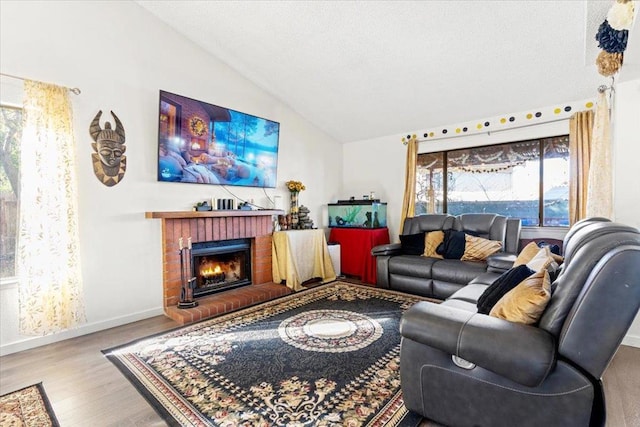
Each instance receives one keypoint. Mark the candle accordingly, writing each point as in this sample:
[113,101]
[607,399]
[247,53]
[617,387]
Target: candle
[180,243]
[189,243]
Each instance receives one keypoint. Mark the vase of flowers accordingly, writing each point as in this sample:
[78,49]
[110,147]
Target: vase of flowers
[294,187]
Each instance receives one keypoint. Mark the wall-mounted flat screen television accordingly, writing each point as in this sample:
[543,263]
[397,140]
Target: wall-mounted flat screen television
[206,144]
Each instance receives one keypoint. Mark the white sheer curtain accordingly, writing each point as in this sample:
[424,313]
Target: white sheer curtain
[48,258]
[600,187]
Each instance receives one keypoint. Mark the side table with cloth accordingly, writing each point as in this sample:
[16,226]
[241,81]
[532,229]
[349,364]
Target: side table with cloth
[300,255]
[355,251]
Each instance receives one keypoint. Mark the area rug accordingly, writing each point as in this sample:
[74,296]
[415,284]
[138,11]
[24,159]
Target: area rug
[328,356]
[28,407]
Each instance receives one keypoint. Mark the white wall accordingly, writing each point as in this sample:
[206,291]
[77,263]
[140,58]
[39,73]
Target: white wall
[120,56]
[626,152]
[376,165]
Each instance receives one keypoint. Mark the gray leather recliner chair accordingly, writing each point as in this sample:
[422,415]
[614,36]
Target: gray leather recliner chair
[518,375]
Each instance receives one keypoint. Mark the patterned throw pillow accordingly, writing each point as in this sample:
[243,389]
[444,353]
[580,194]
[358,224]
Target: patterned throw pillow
[526,302]
[431,242]
[478,249]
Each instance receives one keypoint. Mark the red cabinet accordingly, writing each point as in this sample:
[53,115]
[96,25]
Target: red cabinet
[355,250]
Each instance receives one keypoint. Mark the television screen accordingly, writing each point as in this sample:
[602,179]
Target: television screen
[203,143]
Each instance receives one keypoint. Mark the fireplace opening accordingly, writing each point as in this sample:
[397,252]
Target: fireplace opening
[221,265]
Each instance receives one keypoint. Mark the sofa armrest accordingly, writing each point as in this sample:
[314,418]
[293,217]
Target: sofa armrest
[522,353]
[512,235]
[388,249]
[500,262]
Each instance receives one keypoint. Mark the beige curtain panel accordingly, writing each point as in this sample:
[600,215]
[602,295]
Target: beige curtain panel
[409,201]
[580,133]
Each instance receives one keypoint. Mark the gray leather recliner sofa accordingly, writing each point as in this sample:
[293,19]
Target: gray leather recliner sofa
[527,375]
[440,278]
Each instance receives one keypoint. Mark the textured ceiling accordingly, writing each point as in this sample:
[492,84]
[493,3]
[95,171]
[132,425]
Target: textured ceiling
[364,69]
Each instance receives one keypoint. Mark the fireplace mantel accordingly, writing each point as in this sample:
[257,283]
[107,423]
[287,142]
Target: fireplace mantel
[211,214]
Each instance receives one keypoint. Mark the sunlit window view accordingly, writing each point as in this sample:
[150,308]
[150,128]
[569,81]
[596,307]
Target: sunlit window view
[10,131]
[527,180]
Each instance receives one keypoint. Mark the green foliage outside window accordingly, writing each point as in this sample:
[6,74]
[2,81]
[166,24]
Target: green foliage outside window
[10,134]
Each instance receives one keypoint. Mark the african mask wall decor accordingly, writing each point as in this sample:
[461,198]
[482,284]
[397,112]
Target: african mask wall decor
[109,161]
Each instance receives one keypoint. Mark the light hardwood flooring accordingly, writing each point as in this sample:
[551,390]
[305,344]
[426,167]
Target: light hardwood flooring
[85,389]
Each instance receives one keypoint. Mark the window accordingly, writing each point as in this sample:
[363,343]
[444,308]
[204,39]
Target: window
[10,132]
[526,179]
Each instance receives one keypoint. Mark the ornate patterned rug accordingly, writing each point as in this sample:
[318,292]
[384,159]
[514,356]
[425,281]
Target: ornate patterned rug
[27,407]
[328,356]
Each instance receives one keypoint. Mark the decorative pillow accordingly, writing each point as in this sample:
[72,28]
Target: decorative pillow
[412,244]
[453,245]
[526,302]
[526,254]
[532,249]
[544,260]
[557,258]
[555,249]
[503,284]
[431,242]
[478,249]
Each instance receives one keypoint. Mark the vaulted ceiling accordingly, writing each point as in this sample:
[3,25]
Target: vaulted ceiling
[364,69]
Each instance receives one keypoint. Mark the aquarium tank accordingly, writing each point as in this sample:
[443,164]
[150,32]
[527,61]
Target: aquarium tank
[358,214]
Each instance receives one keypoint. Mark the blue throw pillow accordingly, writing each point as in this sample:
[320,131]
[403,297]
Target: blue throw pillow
[452,247]
[503,284]
[412,244]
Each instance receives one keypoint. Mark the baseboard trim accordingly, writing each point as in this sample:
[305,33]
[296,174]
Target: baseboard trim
[631,340]
[89,328]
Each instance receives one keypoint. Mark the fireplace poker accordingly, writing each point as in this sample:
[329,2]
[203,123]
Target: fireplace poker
[182,295]
[186,297]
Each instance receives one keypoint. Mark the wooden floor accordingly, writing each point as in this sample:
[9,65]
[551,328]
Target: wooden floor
[86,389]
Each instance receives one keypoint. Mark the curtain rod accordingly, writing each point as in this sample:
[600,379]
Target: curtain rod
[73,90]
[488,132]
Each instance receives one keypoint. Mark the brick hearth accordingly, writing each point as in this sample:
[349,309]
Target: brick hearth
[213,226]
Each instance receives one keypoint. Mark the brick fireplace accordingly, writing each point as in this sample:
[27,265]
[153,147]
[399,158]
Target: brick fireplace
[215,226]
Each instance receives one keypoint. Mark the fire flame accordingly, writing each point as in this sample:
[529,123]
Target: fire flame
[211,271]
[195,146]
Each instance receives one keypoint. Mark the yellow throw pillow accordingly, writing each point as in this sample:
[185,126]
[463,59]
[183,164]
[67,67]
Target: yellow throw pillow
[526,254]
[526,302]
[478,249]
[431,242]
[557,258]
